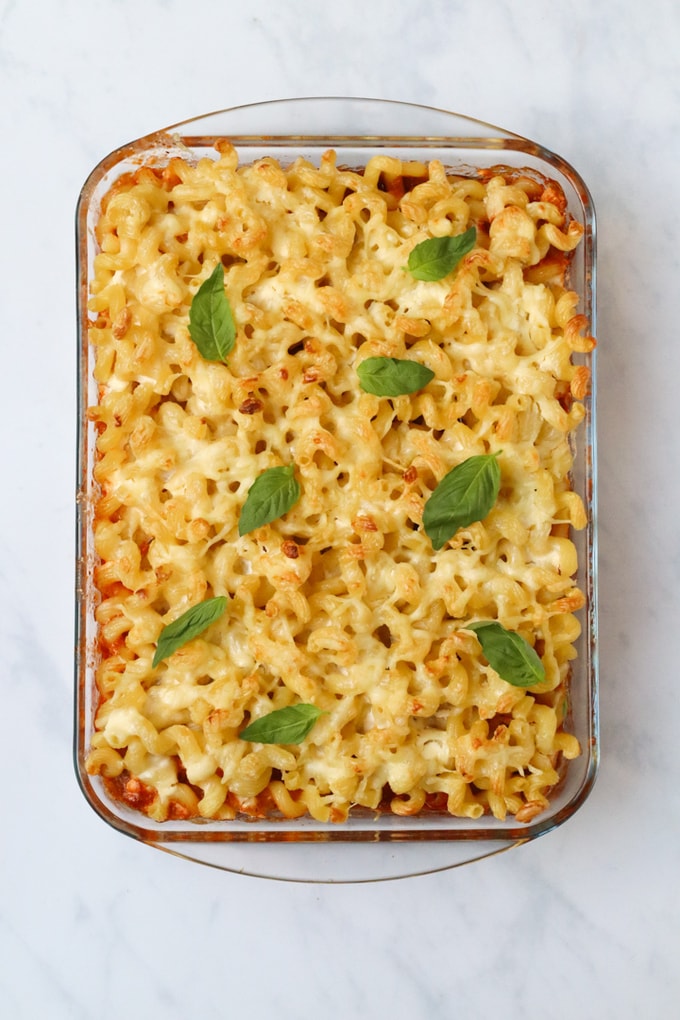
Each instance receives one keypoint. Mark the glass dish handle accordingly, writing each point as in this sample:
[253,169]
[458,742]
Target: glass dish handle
[339,116]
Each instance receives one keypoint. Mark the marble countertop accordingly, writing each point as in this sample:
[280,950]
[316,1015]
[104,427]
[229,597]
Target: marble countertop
[582,922]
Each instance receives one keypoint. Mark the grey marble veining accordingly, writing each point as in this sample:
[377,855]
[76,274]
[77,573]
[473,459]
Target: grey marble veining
[583,922]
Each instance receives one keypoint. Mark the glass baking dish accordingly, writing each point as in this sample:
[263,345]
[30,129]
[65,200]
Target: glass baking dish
[304,849]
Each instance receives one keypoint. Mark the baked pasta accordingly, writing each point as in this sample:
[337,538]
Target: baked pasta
[329,583]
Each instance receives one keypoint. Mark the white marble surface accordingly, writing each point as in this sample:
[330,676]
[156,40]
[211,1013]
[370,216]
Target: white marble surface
[584,922]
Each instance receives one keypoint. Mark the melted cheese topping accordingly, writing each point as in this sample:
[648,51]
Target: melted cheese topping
[342,602]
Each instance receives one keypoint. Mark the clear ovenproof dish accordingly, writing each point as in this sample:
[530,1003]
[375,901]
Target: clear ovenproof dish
[369,843]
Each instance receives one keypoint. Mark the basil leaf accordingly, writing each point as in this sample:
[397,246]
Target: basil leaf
[211,322]
[434,258]
[283,726]
[390,377]
[508,653]
[465,495]
[270,496]
[187,626]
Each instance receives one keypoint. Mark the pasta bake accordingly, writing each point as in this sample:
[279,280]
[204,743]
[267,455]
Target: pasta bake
[334,521]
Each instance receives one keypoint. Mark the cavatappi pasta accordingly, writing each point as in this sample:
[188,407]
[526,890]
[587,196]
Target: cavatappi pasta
[342,603]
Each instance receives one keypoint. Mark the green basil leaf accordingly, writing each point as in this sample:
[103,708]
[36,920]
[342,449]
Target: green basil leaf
[187,626]
[390,377]
[283,726]
[270,496]
[211,322]
[465,495]
[508,653]
[434,258]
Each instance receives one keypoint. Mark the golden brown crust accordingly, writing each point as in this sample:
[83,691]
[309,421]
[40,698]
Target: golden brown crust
[342,603]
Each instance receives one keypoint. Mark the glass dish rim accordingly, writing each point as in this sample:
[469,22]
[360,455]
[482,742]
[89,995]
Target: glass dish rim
[502,140]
